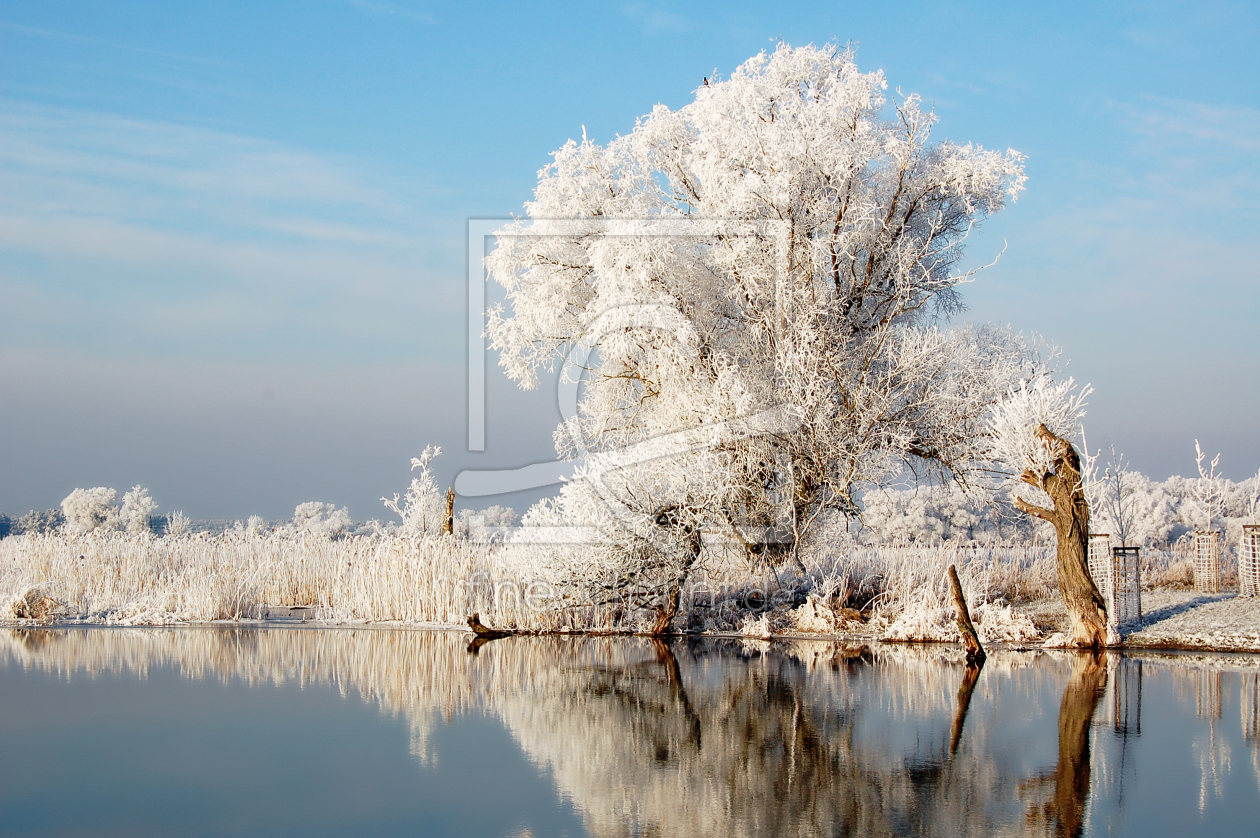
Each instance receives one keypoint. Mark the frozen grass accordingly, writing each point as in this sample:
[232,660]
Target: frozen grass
[893,592]
[113,578]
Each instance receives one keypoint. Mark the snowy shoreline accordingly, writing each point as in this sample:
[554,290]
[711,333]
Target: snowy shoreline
[1173,620]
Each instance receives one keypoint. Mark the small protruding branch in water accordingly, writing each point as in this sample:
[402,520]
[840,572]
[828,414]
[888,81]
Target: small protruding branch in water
[482,630]
[448,523]
[975,652]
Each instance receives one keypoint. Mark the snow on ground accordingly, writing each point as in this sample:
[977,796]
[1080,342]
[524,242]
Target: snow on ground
[1189,620]
[1176,619]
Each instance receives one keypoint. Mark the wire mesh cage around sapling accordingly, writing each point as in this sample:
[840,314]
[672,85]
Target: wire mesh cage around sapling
[1099,560]
[1207,562]
[1124,606]
[1116,572]
[1249,561]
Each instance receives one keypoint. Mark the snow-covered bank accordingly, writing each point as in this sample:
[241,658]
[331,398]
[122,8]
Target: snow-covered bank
[853,591]
[1174,619]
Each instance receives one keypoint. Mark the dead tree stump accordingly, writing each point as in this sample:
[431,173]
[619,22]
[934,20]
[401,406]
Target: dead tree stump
[971,640]
[484,631]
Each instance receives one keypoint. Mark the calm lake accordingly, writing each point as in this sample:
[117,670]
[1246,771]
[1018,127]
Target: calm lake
[303,732]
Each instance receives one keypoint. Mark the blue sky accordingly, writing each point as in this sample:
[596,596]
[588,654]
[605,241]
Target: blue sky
[232,234]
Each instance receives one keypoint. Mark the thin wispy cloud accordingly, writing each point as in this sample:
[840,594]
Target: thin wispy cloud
[198,240]
[1177,120]
[655,18]
[65,161]
[34,31]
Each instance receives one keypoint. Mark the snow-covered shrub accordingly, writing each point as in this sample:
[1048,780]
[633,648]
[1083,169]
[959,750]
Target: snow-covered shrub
[36,522]
[88,510]
[177,524]
[137,511]
[324,519]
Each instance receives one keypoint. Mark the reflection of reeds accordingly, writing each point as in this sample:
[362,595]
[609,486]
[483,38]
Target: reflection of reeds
[702,738]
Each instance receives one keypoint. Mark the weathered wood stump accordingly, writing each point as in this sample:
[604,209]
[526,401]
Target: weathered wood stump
[971,640]
[482,630]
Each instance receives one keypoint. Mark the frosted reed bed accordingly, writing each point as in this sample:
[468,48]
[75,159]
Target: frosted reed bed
[120,579]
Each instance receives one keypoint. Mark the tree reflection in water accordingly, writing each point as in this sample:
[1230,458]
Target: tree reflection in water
[698,737]
[1064,812]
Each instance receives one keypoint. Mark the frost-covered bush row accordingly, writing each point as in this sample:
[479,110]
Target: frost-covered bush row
[1162,513]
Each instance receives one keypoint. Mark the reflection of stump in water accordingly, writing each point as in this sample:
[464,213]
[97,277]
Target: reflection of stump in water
[1064,813]
[968,686]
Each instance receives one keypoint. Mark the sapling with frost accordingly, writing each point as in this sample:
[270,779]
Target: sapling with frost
[1207,489]
[1117,499]
[423,507]
[1253,500]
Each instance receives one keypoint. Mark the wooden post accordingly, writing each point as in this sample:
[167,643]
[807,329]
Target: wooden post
[448,523]
[975,652]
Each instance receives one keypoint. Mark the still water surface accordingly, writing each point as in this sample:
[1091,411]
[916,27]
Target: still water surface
[305,732]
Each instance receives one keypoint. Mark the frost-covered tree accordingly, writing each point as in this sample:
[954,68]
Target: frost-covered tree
[324,519]
[940,512]
[1030,432]
[489,525]
[754,284]
[137,511]
[423,507]
[87,510]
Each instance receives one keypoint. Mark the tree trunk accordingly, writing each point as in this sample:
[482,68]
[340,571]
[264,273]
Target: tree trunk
[1070,517]
[687,541]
